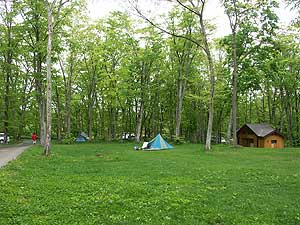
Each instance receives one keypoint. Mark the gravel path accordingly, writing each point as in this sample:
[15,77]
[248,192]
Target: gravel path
[10,153]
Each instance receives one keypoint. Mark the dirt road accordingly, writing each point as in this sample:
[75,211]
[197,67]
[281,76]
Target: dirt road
[10,153]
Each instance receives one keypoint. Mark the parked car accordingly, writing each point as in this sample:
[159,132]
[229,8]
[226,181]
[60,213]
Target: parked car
[2,138]
[218,139]
[128,136]
[223,140]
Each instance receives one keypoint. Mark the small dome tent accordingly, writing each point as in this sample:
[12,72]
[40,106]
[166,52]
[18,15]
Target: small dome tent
[82,138]
[158,143]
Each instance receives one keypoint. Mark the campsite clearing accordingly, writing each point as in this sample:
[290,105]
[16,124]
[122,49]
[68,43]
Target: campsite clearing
[113,184]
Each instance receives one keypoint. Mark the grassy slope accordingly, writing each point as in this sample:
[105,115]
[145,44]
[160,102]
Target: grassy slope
[112,184]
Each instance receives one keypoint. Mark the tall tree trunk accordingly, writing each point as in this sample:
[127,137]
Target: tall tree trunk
[201,129]
[289,124]
[289,120]
[8,70]
[234,89]
[40,93]
[297,105]
[130,120]
[269,99]
[281,110]
[90,119]
[250,109]
[109,128]
[180,94]
[42,110]
[219,125]
[114,123]
[229,128]
[47,146]
[6,94]
[28,86]
[68,112]
[91,103]
[139,122]
[37,65]
[212,85]
[274,106]
[123,117]
[59,124]
[140,115]
[22,122]
[263,106]
[68,94]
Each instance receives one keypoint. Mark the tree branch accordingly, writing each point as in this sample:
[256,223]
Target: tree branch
[164,30]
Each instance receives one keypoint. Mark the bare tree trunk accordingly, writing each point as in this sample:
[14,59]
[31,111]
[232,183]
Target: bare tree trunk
[212,86]
[250,109]
[201,129]
[289,120]
[42,110]
[234,89]
[123,116]
[7,90]
[269,106]
[210,116]
[274,119]
[8,68]
[219,125]
[139,122]
[47,146]
[263,106]
[109,129]
[297,104]
[68,112]
[130,120]
[281,110]
[114,123]
[59,124]
[185,59]
[90,118]
[142,106]
[91,103]
[180,93]
[68,94]
[40,94]
[229,128]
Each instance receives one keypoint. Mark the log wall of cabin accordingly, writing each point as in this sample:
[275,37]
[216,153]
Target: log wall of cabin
[268,141]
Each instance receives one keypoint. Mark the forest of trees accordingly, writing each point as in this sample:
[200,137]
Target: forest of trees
[121,75]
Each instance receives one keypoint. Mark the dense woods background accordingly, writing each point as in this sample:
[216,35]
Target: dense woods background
[122,75]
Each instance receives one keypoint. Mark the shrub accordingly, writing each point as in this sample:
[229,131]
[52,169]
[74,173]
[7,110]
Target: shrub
[180,140]
[68,139]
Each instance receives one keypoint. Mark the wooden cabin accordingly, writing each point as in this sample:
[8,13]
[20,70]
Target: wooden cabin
[260,136]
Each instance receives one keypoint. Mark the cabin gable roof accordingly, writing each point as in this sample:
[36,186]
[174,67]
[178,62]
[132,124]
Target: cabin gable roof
[261,129]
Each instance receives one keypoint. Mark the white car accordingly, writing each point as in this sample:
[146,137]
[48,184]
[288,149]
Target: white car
[128,136]
[223,140]
[2,138]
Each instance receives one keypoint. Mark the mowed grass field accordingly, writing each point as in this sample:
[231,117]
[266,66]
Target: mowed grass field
[113,184]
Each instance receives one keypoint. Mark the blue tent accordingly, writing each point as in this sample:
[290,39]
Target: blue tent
[81,138]
[158,143]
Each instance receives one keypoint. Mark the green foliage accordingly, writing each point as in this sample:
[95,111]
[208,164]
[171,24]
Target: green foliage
[113,184]
[68,139]
[179,140]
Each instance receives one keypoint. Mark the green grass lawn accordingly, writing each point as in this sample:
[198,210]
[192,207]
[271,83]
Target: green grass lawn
[113,184]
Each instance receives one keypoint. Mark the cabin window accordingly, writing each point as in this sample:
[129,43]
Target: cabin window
[274,141]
